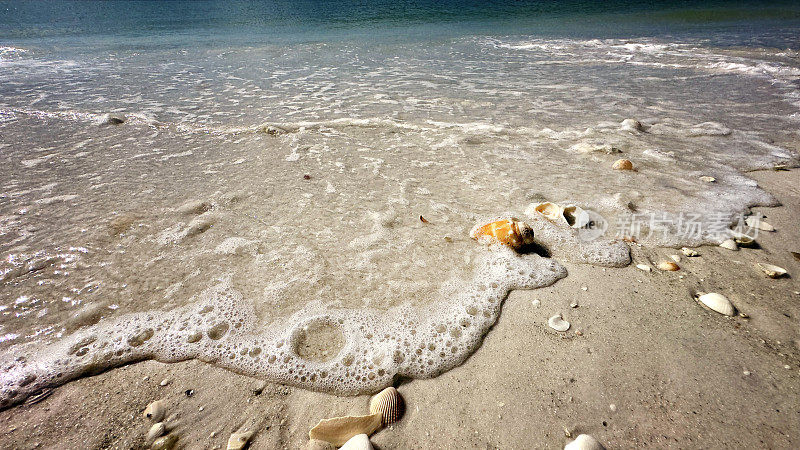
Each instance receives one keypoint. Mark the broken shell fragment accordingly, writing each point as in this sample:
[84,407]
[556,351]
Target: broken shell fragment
[730,244]
[584,442]
[771,271]
[508,232]
[558,323]
[156,431]
[622,164]
[668,266]
[644,267]
[155,411]
[718,303]
[575,216]
[689,252]
[756,222]
[358,442]
[339,430]
[552,211]
[389,404]
[239,440]
[708,179]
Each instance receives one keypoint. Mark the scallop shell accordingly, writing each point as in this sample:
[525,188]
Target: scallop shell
[730,244]
[339,430]
[389,403]
[772,271]
[155,411]
[508,232]
[718,303]
[622,164]
[558,323]
[668,266]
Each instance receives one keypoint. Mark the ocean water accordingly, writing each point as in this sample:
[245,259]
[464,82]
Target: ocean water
[259,208]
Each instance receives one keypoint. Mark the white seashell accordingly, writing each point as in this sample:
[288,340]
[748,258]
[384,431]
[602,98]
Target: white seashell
[756,222]
[676,258]
[575,216]
[708,179]
[772,271]
[389,404]
[155,411]
[156,431]
[558,323]
[668,266]
[689,252]
[239,440]
[339,430]
[554,212]
[584,442]
[730,244]
[358,442]
[644,267]
[718,303]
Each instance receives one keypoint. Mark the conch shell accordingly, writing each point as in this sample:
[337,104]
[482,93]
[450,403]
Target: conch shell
[510,232]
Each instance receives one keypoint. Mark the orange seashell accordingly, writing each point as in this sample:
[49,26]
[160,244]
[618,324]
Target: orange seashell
[622,164]
[511,232]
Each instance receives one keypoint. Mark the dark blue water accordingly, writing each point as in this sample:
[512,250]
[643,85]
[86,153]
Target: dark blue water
[166,23]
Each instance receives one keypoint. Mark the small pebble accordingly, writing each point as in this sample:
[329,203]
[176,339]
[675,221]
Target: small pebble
[165,382]
[612,407]
[746,373]
[536,303]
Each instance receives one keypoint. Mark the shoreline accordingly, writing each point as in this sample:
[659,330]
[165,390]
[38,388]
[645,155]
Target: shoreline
[676,373]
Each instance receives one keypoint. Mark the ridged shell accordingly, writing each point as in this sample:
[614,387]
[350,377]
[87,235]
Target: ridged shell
[389,403]
[718,303]
[622,164]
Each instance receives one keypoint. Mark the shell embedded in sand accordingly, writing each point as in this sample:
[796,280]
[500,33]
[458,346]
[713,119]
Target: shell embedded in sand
[718,303]
[668,266]
[239,440]
[689,252]
[644,267]
[622,164]
[756,222]
[510,232]
[155,411]
[584,442]
[730,244]
[358,442]
[339,430]
[743,240]
[771,271]
[558,323]
[156,431]
[165,442]
[553,211]
[389,404]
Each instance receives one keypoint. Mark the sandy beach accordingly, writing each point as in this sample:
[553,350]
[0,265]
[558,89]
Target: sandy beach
[643,366]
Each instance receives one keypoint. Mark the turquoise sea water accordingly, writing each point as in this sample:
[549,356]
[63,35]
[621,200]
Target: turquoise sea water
[259,207]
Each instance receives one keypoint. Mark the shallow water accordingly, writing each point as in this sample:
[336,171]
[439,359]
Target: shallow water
[316,139]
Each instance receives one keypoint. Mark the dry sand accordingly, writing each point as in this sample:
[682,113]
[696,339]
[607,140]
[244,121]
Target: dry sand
[677,375]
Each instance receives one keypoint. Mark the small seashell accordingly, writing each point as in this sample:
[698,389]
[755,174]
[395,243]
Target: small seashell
[156,431]
[164,382]
[644,267]
[239,440]
[772,271]
[756,222]
[708,179]
[622,164]
[743,240]
[508,232]
[573,304]
[676,258]
[689,252]
[165,442]
[575,216]
[389,404]
[584,442]
[358,442]
[668,266]
[631,125]
[552,211]
[339,430]
[718,303]
[730,244]
[558,323]
[155,411]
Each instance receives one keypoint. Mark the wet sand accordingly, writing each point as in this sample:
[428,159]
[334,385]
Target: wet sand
[677,375]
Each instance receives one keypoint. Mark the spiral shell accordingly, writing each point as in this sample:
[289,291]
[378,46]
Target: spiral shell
[389,404]
[508,232]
